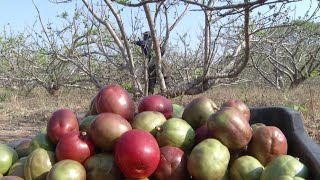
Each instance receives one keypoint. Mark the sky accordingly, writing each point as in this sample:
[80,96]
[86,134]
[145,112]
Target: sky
[21,14]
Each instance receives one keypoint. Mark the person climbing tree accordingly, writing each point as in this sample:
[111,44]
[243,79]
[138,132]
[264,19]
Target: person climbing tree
[146,47]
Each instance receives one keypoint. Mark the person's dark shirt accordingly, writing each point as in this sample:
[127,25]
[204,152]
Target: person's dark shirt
[146,48]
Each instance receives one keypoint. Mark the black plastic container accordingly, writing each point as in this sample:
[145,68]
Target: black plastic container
[290,123]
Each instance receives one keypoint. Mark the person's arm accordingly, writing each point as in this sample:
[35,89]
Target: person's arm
[140,43]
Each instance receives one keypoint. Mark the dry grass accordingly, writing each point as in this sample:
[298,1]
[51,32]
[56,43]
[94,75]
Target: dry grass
[22,116]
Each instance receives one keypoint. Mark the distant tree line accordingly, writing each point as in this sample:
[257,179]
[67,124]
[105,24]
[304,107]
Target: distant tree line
[239,42]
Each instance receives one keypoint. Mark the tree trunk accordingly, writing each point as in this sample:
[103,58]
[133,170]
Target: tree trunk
[157,50]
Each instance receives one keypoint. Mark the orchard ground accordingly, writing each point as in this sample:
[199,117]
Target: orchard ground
[22,116]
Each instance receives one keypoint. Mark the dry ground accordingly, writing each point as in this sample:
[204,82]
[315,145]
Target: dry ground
[22,116]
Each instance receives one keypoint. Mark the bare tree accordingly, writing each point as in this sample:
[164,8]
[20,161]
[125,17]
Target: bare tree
[161,8]
[290,55]
[234,59]
[97,47]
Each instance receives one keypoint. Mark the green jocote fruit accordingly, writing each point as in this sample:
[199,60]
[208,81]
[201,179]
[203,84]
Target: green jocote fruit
[208,160]
[11,178]
[176,132]
[226,175]
[17,169]
[290,178]
[24,148]
[86,122]
[197,112]
[102,166]
[38,164]
[42,140]
[246,168]
[284,165]
[67,169]
[148,121]
[177,111]
[7,157]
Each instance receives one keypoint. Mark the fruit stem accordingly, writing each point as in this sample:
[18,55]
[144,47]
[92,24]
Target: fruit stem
[159,128]
[83,133]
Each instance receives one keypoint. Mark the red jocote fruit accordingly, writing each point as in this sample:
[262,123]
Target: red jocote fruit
[76,146]
[256,126]
[173,164]
[230,127]
[137,154]
[202,133]
[61,122]
[115,99]
[106,129]
[241,106]
[156,103]
[267,143]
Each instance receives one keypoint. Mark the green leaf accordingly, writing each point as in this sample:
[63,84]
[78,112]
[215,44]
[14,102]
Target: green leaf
[77,15]
[314,73]
[123,1]
[297,107]
[64,15]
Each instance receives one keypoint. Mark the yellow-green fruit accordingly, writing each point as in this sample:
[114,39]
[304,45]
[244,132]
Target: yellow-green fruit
[7,157]
[176,132]
[17,169]
[16,142]
[67,169]
[101,167]
[290,178]
[284,165]
[208,160]
[246,168]
[197,112]
[177,111]
[38,164]
[41,140]
[148,121]
[226,175]
[24,148]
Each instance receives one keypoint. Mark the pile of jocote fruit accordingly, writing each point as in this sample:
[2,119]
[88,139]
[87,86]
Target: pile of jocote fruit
[156,140]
